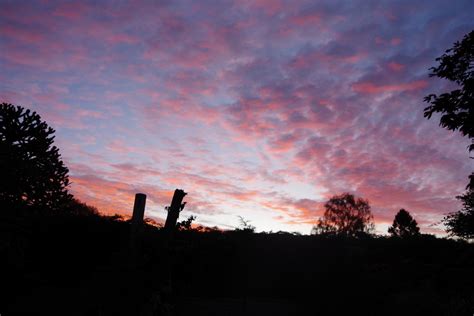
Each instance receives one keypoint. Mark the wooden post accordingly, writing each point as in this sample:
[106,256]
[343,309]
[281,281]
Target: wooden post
[138,209]
[176,206]
[174,209]
[137,219]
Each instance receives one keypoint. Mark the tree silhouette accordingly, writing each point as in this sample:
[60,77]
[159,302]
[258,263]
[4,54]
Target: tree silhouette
[404,225]
[456,107]
[32,172]
[461,223]
[345,215]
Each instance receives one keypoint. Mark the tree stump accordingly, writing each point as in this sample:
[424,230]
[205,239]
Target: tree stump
[174,209]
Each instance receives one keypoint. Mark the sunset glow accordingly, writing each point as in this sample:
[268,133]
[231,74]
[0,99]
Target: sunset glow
[262,109]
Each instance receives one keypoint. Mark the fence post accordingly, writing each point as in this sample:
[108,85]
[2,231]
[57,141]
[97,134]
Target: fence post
[137,217]
[138,209]
[174,209]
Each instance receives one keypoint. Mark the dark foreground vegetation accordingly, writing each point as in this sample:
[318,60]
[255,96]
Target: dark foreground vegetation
[85,265]
[60,257]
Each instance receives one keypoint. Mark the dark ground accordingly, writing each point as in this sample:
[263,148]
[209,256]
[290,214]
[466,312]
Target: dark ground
[84,265]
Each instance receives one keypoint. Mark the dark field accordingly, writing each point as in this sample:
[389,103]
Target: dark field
[86,265]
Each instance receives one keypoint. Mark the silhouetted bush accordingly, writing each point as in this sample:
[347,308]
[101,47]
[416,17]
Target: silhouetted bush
[76,207]
[186,224]
[245,226]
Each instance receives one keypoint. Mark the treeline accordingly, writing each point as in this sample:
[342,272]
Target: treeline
[85,265]
[35,177]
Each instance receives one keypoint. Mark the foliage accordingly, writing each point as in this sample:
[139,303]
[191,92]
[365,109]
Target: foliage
[78,208]
[33,173]
[245,226]
[345,215]
[461,223]
[186,224]
[457,106]
[205,229]
[404,225]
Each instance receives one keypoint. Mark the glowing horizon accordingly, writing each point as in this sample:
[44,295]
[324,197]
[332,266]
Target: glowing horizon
[262,109]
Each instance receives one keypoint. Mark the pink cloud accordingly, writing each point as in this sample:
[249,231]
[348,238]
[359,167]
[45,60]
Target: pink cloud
[395,66]
[122,38]
[307,19]
[395,41]
[25,35]
[369,87]
[71,10]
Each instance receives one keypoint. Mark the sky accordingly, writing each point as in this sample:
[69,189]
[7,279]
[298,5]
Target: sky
[257,108]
